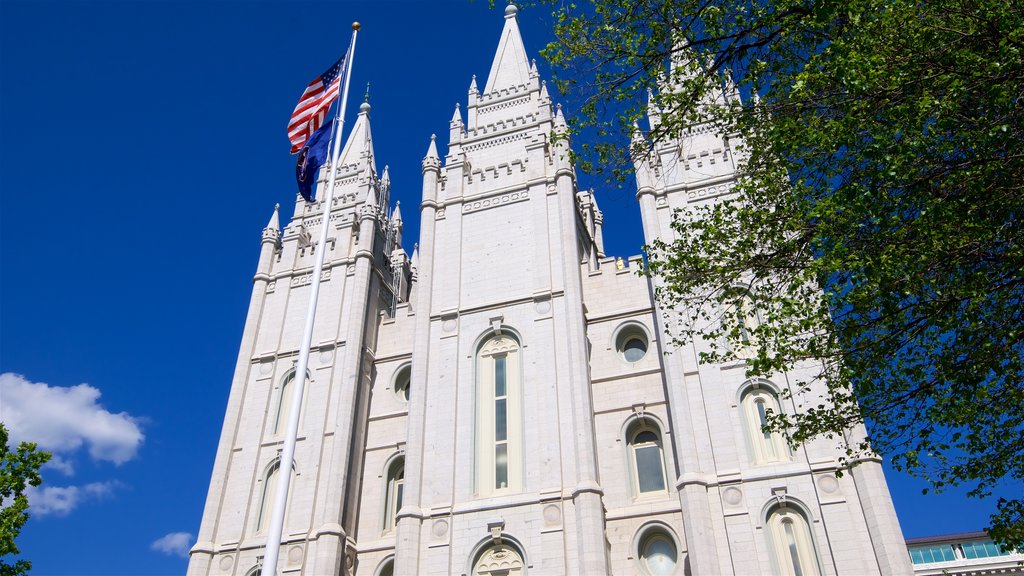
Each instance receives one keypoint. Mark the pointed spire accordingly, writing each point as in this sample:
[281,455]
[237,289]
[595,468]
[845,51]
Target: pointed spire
[397,214]
[432,149]
[559,118]
[386,178]
[544,90]
[533,68]
[457,116]
[275,221]
[653,112]
[371,197]
[273,230]
[510,67]
[472,86]
[359,146]
[415,260]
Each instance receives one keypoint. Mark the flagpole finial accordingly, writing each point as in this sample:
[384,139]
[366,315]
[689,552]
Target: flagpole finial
[355,26]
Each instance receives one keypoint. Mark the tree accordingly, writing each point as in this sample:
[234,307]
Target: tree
[18,470]
[878,214]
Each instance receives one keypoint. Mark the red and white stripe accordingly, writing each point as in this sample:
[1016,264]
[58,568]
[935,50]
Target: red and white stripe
[310,111]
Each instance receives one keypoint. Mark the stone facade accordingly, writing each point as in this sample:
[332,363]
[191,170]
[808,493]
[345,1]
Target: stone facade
[504,400]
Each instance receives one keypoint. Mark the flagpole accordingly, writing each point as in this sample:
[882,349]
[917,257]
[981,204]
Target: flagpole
[284,475]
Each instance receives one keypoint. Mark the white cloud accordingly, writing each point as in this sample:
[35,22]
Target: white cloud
[175,543]
[63,419]
[61,500]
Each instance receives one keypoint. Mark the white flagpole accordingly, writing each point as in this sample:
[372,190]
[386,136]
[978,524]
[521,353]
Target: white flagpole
[284,475]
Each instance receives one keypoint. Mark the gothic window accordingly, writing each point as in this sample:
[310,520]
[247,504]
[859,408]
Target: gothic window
[791,541]
[284,402]
[646,458]
[500,560]
[498,416]
[402,381]
[656,550]
[393,492]
[631,342]
[767,446]
[267,494]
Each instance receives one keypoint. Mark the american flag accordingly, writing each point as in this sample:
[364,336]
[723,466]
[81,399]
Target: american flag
[313,105]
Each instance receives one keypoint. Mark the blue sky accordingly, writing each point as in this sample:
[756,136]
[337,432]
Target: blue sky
[143,149]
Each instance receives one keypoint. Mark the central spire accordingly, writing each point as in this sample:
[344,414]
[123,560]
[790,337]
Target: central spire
[357,154]
[510,67]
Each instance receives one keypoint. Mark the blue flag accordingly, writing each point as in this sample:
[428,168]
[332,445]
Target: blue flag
[311,157]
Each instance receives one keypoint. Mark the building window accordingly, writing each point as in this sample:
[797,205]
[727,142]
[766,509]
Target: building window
[498,416]
[646,457]
[631,342]
[500,560]
[656,549]
[792,543]
[284,402]
[386,568]
[267,494]
[767,446]
[402,380]
[393,492]
[982,549]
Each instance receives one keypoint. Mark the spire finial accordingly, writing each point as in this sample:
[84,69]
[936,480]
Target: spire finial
[432,149]
[366,97]
[274,224]
[510,10]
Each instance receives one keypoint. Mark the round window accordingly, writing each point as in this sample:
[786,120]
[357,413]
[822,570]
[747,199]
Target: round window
[402,382]
[631,343]
[658,554]
[634,350]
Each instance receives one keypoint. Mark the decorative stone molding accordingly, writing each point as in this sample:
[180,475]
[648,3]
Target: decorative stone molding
[304,279]
[493,201]
[710,191]
[495,527]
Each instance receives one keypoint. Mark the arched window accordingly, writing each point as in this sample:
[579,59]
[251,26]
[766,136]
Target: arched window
[402,382]
[393,492]
[284,402]
[499,416]
[267,494]
[792,543]
[767,446]
[386,568]
[500,560]
[646,457]
[656,550]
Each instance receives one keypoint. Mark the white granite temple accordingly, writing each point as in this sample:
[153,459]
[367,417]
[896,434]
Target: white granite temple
[504,401]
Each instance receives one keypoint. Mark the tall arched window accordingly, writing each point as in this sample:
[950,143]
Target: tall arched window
[646,457]
[767,446]
[792,543]
[393,492]
[499,416]
[267,494]
[284,402]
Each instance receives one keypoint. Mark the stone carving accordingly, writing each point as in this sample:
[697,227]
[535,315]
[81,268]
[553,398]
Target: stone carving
[494,201]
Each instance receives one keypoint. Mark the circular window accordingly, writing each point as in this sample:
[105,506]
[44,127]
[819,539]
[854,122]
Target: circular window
[631,342]
[403,379]
[658,554]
